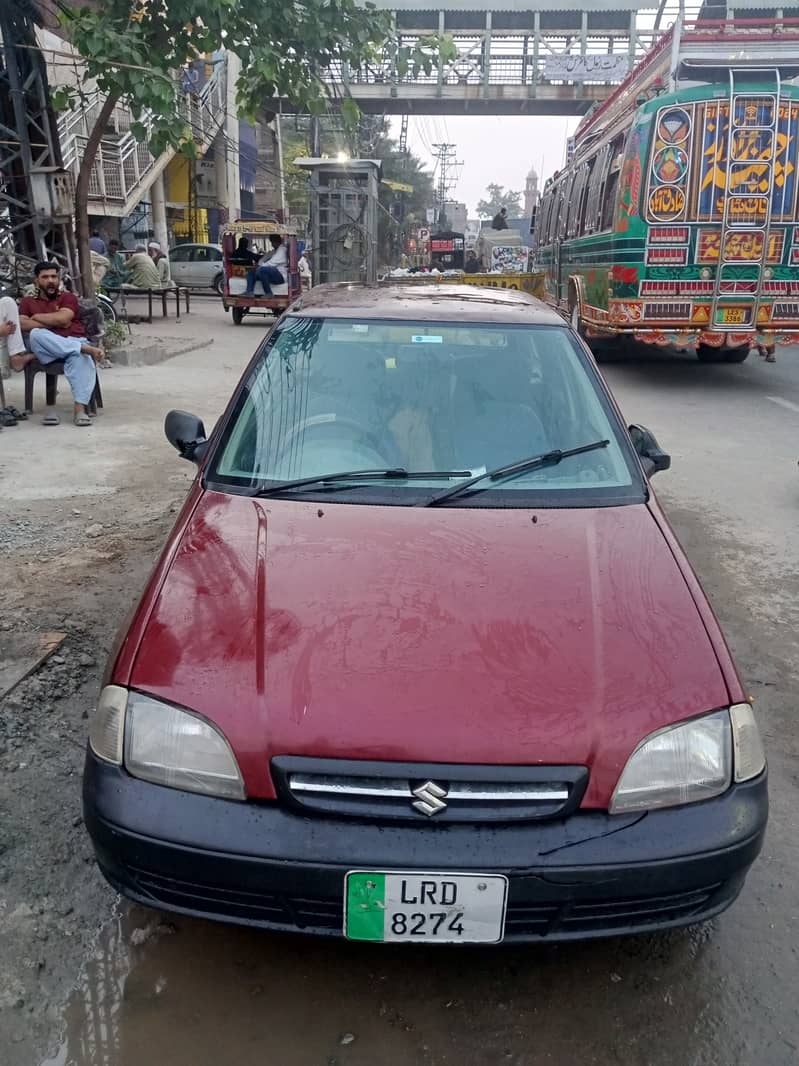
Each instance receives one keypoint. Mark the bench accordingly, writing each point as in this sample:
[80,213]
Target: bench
[127,291]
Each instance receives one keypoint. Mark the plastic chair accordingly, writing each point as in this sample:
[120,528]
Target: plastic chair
[51,372]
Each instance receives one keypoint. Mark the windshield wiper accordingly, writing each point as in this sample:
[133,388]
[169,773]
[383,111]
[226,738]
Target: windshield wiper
[396,473]
[512,470]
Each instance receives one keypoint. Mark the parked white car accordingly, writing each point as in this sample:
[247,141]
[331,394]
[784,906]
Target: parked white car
[197,266]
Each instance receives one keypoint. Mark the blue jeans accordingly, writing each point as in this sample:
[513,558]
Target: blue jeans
[79,369]
[268,276]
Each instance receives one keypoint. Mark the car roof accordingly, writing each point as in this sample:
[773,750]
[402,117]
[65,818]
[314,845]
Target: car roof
[429,302]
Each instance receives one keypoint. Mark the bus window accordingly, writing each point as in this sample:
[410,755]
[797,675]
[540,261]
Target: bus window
[542,221]
[592,219]
[581,219]
[572,229]
[609,202]
[565,202]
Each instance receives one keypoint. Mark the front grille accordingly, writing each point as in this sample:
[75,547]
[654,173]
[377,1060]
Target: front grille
[424,792]
[311,914]
[667,310]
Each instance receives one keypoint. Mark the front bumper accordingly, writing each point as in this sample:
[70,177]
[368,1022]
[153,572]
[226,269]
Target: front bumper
[258,864]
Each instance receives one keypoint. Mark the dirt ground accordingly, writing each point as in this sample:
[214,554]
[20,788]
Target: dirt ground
[86,979]
[83,514]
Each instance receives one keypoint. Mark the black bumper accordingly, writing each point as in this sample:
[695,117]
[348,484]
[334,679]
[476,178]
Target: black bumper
[257,864]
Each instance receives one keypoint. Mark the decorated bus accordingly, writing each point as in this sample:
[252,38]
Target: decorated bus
[675,221]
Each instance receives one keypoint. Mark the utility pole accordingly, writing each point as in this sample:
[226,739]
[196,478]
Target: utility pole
[445,154]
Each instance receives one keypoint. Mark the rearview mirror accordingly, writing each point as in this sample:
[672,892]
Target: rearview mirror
[652,456]
[186,433]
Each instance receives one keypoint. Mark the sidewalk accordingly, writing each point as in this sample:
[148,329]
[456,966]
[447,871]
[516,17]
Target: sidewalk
[126,444]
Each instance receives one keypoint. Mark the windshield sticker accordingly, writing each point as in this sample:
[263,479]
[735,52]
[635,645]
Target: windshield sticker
[344,333]
[423,338]
[391,364]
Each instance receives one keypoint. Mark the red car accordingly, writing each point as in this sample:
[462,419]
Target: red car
[422,659]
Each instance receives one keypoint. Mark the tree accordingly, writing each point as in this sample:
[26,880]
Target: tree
[133,50]
[496,199]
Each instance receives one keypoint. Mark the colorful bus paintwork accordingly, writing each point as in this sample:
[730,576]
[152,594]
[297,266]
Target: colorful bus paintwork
[679,226]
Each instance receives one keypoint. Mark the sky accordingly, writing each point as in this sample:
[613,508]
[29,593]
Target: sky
[497,149]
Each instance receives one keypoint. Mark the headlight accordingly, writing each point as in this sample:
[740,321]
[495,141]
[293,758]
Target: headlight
[748,754]
[107,728]
[691,761]
[172,747]
[163,744]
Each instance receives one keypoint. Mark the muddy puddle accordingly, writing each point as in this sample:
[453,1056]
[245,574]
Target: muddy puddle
[160,991]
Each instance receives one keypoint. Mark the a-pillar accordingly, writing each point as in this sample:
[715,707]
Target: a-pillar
[158,200]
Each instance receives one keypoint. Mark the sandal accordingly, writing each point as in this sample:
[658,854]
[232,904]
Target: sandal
[51,419]
[21,416]
[6,418]
[81,419]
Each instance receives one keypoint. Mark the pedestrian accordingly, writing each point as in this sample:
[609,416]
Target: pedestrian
[97,244]
[52,318]
[500,220]
[767,352]
[472,264]
[304,270]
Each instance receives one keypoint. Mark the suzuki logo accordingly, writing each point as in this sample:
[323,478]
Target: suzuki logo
[429,798]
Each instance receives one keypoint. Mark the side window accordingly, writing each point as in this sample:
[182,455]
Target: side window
[554,213]
[592,213]
[181,254]
[200,254]
[609,204]
[565,200]
[582,219]
[575,202]
[215,255]
[542,220]
[544,238]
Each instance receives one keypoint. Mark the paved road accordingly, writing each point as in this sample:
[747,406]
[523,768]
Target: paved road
[195,994]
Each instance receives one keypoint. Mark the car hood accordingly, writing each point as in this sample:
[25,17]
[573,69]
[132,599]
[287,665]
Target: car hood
[457,635]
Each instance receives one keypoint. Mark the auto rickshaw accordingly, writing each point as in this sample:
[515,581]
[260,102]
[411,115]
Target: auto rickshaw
[235,282]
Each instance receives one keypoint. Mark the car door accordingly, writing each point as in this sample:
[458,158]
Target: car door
[201,266]
[180,265]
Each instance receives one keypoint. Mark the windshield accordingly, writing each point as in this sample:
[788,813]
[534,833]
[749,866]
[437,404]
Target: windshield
[333,396]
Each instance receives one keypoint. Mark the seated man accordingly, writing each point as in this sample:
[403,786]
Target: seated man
[142,271]
[242,256]
[56,332]
[117,273]
[162,264]
[273,271]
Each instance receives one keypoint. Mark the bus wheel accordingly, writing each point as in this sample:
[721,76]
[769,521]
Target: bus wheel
[238,315]
[707,354]
[736,355]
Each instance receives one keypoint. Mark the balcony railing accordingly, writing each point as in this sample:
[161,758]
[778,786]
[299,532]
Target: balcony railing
[125,168]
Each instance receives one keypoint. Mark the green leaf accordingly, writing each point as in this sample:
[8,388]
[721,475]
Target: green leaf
[350,112]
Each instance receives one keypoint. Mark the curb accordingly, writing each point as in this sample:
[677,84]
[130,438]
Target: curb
[156,352]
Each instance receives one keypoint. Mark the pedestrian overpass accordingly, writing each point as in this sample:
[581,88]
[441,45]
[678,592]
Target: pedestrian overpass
[533,57]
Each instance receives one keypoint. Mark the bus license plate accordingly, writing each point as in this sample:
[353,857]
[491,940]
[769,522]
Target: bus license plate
[734,316]
[429,908]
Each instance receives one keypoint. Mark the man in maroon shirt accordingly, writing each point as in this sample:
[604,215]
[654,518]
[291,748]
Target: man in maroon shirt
[52,318]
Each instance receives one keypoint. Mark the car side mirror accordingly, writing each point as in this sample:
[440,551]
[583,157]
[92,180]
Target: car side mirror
[186,433]
[652,456]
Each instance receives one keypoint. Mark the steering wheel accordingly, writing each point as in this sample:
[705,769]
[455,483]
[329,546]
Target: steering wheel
[358,431]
